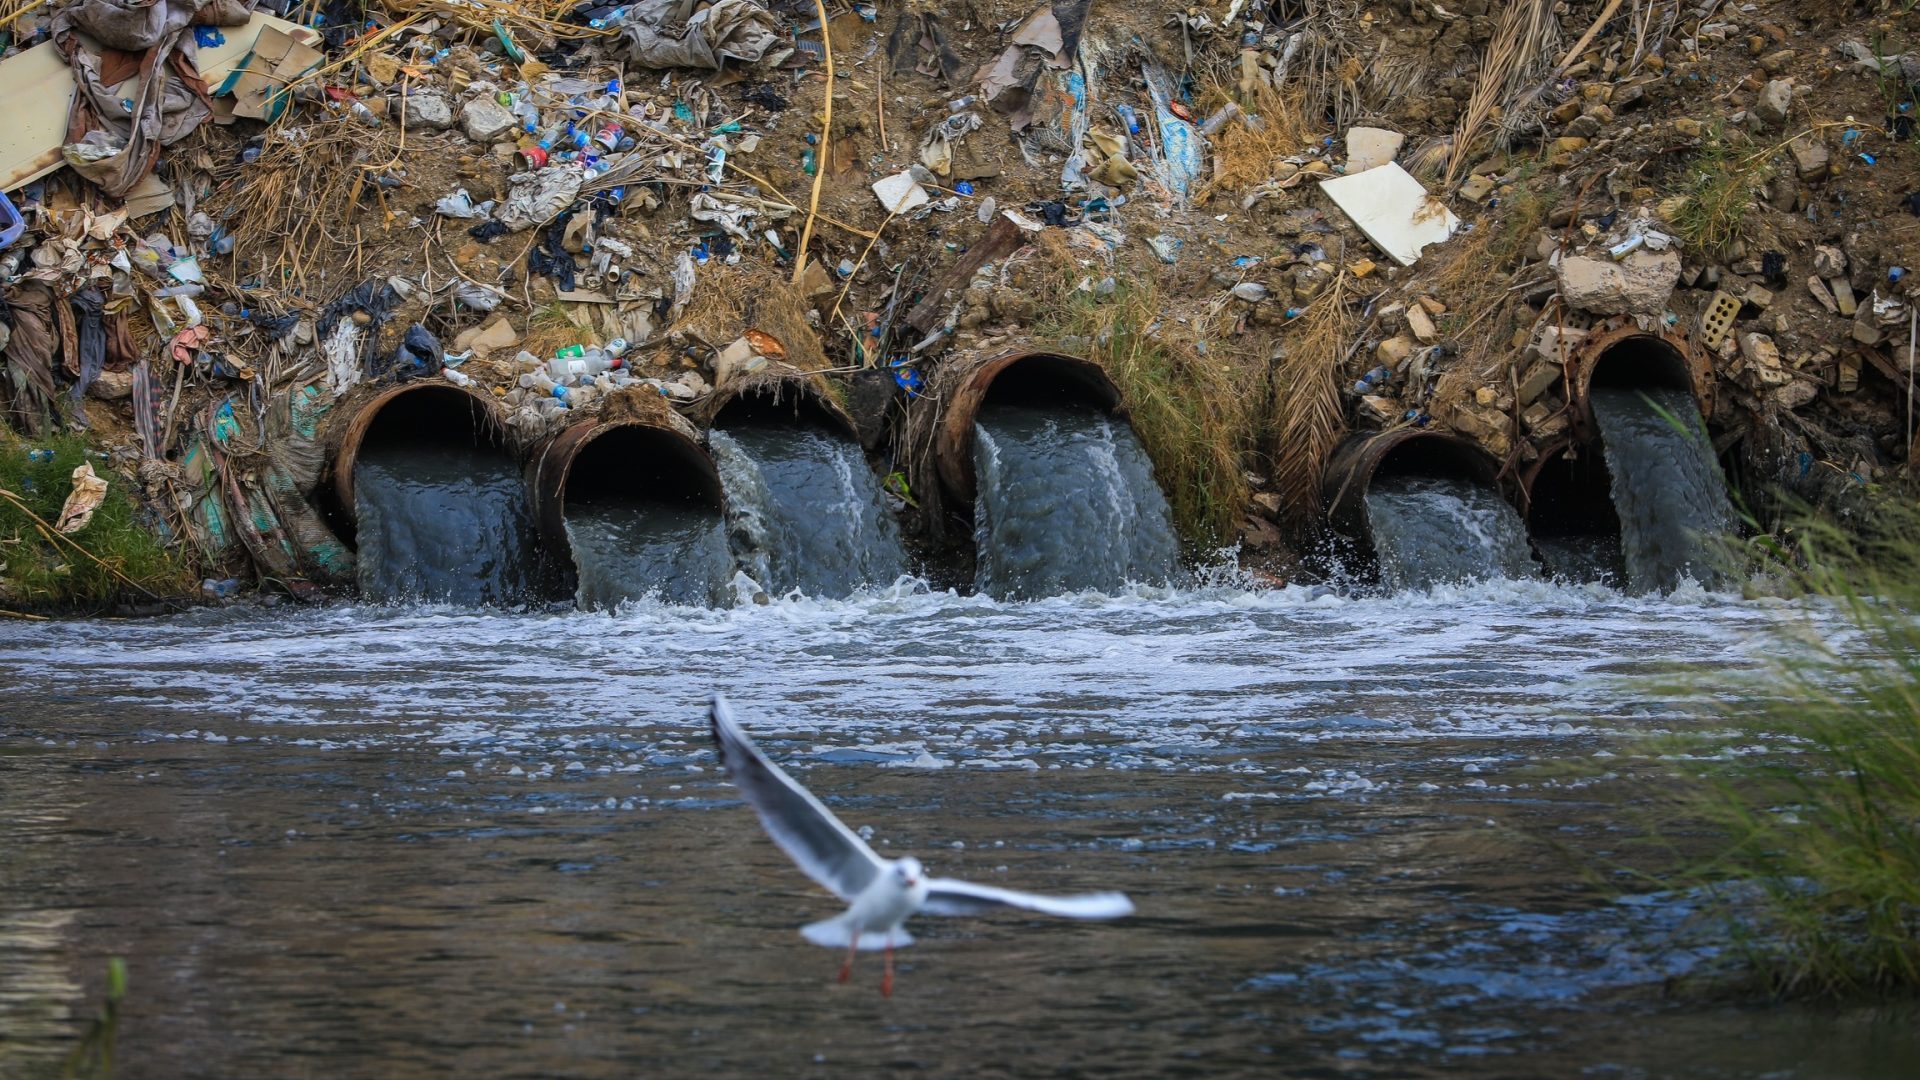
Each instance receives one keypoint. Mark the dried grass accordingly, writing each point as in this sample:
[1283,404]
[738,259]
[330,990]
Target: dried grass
[1189,407]
[1522,38]
[1308,415]
[753,295]
[1245,155]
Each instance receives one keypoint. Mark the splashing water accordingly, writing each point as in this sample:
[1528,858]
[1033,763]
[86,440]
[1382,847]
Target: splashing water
[1067,503]
[1667,487]
[443,523]
[1430,530]
[805,512]
[630,550]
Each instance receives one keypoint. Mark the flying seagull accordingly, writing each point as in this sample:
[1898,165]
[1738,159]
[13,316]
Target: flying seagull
[881,893]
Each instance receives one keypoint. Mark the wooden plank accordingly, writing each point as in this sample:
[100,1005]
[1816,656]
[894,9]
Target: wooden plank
[1003,238]
[38,88]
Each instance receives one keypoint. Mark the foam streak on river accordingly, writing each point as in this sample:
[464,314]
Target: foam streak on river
[424,842]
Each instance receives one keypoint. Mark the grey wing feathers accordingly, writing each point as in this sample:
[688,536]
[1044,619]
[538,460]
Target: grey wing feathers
[823,847]
[947,896]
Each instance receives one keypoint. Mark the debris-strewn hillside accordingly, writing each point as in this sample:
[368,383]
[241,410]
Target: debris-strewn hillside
[424,189]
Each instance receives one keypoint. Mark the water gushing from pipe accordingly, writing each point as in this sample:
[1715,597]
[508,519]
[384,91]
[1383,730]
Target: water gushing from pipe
[1434,530]
[444,523]
[1667,486]
[805,512]
[1066,503]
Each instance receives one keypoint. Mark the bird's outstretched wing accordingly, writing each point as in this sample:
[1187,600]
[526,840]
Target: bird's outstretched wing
[947,896]
[823,847]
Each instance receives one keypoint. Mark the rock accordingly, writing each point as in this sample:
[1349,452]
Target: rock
[1421,324]
[1843,297]
[1757,296]
[1539,379]
[1379,408]
[1586,126]
[1776,101]
[1776,62]
[1371,147]
[1567,144]
[1762,359]
[484,121]
[1829,262]
[1259,534]
[1823,295]
[1395,349]
[1688,129]
[429,111]
[1795,394]
[111,386]
[1486,427]
[1476,187]
[1267,502]
[1636,285]
[1810,159]
[1544,419]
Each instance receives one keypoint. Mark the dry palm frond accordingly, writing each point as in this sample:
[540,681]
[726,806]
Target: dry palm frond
[1521,40]
[1247,154]
[1308,415]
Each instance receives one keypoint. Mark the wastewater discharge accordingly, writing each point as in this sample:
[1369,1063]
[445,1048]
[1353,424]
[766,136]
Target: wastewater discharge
[443,523]
[632,549]
[1066,503]
[1667,486]
[804,511]
[1433,530]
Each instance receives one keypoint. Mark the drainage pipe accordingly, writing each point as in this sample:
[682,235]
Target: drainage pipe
[1027,378]
[1405,451]
[410,410]
[780,394]
[1619,353]
[643,451]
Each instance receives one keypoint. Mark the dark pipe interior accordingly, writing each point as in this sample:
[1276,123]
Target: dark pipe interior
[1046,380]
[1642,361]
[1434,457]
[1572,495]
[634,462]
[793,408]
[424,416]
[430,415]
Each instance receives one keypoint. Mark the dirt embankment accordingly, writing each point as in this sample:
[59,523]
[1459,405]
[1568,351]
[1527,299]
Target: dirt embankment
[1136,183]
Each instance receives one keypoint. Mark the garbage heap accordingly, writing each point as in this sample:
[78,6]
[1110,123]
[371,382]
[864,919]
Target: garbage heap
[224,222]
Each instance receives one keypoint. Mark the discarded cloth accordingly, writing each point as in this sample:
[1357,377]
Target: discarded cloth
[170,100]
[670,34]
[29,356]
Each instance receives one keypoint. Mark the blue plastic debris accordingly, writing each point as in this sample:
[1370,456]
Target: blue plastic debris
[206,37]
[963,187]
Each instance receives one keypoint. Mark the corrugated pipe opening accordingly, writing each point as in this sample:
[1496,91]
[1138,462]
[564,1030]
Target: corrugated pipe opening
[1369,456]
[788,402]
[1024,378]
[627,459]
[421,413]
[1631,357]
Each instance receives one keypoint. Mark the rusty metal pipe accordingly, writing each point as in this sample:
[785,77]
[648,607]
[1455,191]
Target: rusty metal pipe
[1018,376]
[1619,353]
[411,407]
[1402,451]
[776,392]
[638,458]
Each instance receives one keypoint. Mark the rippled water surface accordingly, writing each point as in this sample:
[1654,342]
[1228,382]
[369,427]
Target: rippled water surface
[389,842]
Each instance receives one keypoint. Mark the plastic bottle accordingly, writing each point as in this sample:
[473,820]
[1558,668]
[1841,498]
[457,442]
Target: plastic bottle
[1128,117]
[608,19]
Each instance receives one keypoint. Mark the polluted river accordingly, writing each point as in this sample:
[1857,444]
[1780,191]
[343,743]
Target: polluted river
[407,841]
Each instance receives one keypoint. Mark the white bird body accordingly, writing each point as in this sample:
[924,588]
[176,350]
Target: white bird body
[873,920]
[881,894]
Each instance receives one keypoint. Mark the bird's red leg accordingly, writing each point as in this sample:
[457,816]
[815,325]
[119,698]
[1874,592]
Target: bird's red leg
[846,968]
[886,980]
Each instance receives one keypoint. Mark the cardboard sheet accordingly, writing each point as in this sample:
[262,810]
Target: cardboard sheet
[1393,209]
[38,88]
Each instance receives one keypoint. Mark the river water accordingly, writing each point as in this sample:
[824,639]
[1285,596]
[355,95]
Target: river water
[392,842]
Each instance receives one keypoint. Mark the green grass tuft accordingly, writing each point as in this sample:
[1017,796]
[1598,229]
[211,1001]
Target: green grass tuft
[36,572]
[1190,410]
[1822,830]
[1717,193]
